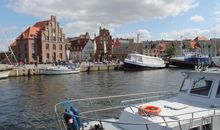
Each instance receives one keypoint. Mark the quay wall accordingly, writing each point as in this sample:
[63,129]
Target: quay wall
[30,70]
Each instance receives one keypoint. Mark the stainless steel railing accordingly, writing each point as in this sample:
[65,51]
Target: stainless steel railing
[129,102]
[122,100]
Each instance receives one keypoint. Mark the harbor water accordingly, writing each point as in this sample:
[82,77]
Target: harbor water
[28,102]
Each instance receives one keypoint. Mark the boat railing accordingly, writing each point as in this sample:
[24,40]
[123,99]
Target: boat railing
[117,102]
[129,102]
[148,124]
[212,111]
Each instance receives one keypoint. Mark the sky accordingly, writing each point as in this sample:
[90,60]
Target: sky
[151,19]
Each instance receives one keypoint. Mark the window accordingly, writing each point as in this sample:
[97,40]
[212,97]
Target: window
[33,56]
[33,47]
[60,47]
[185,84]
[60,55]
[54,47]
[47,46]
[201,86]
[48,57]
[218,91]
[139,59]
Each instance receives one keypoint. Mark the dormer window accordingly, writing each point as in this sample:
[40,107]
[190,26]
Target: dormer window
[201,86]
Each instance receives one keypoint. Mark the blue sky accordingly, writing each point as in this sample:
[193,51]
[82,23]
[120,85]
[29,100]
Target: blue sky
[152,19]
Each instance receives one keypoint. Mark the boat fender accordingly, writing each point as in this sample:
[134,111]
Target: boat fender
[69,120]
[76,112]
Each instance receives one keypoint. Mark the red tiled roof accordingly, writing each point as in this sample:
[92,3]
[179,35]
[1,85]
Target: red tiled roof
[41,24]
[195,45]
[116,43]
[30,33]
[162,46]
[201,38]
[13,44]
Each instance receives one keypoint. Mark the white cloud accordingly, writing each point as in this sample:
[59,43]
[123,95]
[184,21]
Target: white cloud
[197,18]
[185,33]
[87,15]
[211,32]
[143,35]
[8,35]
[217,13]
[191,33]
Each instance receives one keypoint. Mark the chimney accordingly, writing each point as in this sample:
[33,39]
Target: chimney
[53,17]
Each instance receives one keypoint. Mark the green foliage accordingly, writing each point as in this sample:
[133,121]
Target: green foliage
[171,51]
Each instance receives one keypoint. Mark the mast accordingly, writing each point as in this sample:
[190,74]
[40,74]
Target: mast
[137,42]
[13,54]
[215,44]
[181,46]
[8,58]
[138,37]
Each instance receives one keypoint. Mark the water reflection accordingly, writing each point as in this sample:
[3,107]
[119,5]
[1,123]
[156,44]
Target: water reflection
[28,102]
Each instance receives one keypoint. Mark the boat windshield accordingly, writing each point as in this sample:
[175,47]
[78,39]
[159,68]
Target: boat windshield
[129,57]
[218,91]
[185,84]
[201,86]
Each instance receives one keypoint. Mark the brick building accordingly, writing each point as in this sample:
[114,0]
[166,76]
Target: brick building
[77,45]
[43,42]
[104,45]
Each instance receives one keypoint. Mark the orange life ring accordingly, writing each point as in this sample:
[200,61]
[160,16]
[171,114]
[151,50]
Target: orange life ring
[147,109]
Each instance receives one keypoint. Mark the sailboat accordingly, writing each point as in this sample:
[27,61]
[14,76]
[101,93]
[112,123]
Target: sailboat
[135,61]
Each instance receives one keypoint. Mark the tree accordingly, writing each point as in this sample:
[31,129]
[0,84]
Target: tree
[171,51]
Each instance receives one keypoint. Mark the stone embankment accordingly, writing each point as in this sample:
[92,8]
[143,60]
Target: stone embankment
[29,70]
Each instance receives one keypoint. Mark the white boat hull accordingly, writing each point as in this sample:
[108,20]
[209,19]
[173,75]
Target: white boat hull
[55,72]
[59,70]
[4,74]
[142,62]
[135,65]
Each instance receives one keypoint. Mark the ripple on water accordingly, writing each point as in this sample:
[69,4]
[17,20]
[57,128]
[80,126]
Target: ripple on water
[28,102]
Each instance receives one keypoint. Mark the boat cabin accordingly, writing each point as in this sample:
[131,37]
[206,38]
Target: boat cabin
[196,107]
[201,87]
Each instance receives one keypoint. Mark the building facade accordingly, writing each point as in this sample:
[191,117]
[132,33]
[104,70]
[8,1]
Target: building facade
[104,45]
[44,42]
[77,45]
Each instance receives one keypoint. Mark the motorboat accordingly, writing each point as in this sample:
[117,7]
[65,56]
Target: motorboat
[56,70]
[4,73]
[196,106]
[190,60]
[135,61]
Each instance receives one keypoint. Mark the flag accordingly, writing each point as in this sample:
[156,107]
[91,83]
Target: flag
[195,45]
